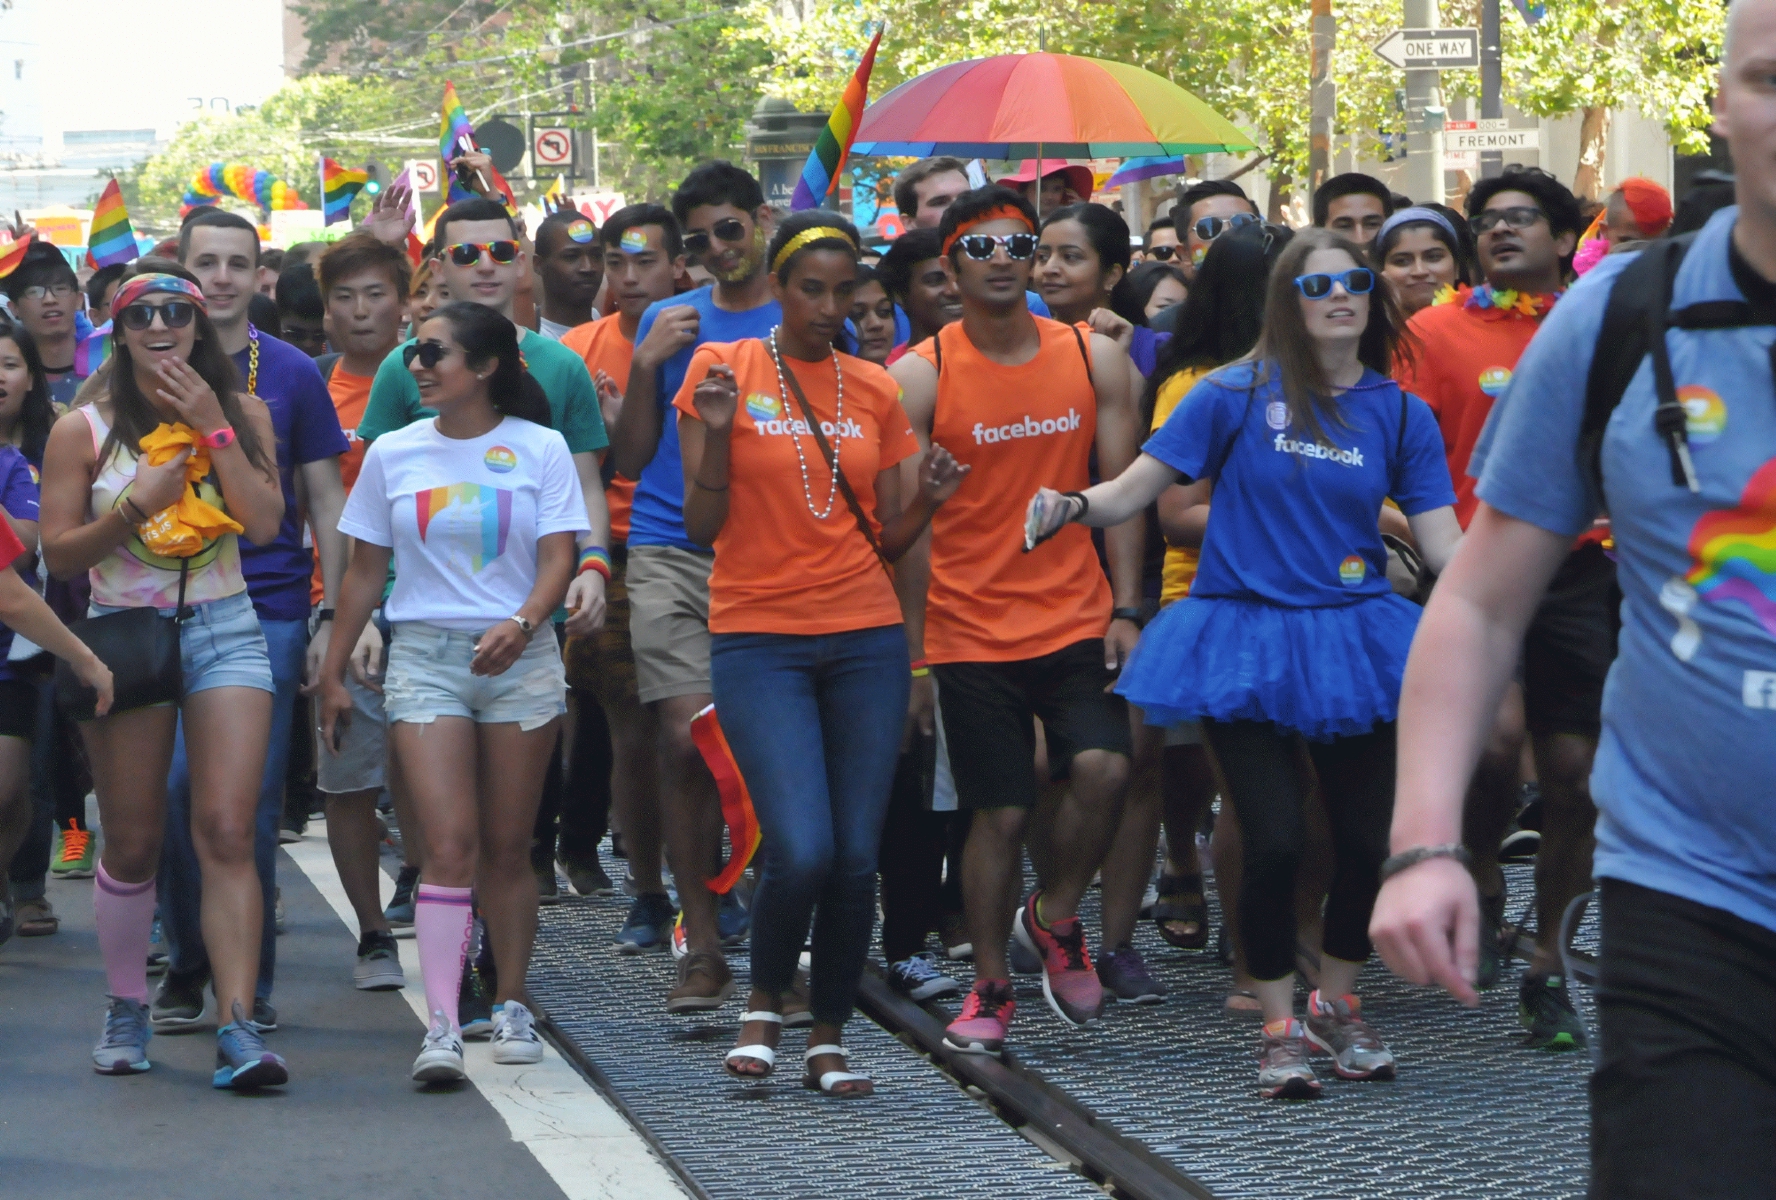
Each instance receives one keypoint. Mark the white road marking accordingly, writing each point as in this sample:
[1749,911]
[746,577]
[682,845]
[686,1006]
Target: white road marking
[585,1145]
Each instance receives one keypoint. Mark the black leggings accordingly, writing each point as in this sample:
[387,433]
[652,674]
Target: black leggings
[1266,788]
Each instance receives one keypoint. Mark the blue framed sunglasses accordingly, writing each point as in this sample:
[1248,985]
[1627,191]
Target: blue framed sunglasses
[1358,281]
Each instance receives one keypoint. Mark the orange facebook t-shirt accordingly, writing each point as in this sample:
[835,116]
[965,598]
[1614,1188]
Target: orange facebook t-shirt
[350,394]
[1020,428]
[779,567]
[602,344]
[1462,363]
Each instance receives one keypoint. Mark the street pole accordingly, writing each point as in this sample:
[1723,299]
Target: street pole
[1324,97]
[1424,117]
[1492,162]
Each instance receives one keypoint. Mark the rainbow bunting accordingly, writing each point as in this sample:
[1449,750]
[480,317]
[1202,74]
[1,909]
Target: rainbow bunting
[339,187]
[820,174]
[12,254]
[111,241]
[455,135]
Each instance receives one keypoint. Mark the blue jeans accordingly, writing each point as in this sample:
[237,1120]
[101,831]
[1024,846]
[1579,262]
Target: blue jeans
[181,882]
[815,725]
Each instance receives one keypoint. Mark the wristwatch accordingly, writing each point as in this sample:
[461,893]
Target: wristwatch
[222,438]
[523,624]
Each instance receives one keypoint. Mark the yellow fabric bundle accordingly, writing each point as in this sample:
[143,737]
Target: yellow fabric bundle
[184,529]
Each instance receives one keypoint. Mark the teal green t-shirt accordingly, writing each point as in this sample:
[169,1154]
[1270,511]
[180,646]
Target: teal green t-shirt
[573,403]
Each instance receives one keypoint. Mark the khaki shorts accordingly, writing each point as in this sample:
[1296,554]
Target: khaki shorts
[669,621]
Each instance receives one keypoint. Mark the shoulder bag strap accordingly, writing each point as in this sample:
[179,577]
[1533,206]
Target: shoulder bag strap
[832,461]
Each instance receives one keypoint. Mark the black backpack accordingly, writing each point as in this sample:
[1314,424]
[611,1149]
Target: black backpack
[325,364]
[1635,321]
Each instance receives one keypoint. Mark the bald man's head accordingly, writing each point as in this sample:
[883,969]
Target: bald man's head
[1745,106]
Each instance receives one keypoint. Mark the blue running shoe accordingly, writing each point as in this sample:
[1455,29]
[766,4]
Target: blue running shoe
[399,913]
[649,926]
[123,1047]
[733,920]
[242,1061]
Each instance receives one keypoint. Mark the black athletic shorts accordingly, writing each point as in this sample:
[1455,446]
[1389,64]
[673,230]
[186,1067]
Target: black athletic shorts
[989,709]
[1570,645]
[18,708]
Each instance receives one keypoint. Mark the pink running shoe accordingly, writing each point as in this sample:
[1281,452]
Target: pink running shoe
[985,1020]
[1069,982]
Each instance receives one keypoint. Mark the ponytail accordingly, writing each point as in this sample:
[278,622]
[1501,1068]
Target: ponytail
[486,335]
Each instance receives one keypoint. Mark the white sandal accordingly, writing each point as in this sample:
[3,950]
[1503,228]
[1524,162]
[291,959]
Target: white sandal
[832,1079]
[757,1052]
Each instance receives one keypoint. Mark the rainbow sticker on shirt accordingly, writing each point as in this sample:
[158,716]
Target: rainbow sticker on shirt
[1705,414]
[761,407]
[499,460]
[468,504]
[1352,570]
[1734,551]
[1494,381]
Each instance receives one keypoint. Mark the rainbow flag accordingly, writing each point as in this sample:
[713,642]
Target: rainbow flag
[339,187]
[12,254]
[111,240]
[455,134]
[820,174]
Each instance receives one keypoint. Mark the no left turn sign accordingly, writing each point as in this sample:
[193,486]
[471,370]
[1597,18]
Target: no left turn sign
[551,147]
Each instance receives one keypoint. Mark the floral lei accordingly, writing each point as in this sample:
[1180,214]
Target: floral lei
[1534,305]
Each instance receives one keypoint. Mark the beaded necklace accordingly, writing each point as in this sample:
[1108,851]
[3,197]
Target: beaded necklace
[252,360]
[795,439]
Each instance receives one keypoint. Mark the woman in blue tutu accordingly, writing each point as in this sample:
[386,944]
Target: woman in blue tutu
[1291,633]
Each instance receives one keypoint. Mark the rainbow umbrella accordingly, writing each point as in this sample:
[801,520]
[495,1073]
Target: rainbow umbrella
[1015,106]
[1146,167]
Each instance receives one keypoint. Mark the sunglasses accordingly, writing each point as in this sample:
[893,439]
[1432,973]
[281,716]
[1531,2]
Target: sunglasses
[467,254]
[1521,217]
[1209,228]
[429,354]
[982,246]
[175,314]
[1358,281]
[728,229]
[1164,253]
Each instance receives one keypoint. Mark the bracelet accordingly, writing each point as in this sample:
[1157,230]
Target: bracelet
[1084,505]
[921,672]
[707,488]
[595,558]
[325,614]
[1418,854]
[1127,614]
[919,662]
[142,517]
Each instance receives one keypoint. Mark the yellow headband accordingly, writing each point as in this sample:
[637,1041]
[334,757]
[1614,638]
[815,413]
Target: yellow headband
[819,233]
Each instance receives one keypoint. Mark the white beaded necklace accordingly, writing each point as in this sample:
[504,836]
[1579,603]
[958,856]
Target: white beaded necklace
[795,440]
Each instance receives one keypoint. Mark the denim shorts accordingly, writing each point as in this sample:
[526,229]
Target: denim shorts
[428,678]
[220,645]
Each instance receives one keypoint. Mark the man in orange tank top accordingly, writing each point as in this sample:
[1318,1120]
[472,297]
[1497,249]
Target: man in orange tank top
[1014,636]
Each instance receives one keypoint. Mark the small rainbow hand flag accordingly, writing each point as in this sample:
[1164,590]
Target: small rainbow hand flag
[12,254]
[111,240]
[339,187]
[820,174]
[455,135]
[744,835]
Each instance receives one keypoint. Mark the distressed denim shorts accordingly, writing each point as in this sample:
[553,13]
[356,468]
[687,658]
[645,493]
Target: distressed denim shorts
[220,645]
[428,677]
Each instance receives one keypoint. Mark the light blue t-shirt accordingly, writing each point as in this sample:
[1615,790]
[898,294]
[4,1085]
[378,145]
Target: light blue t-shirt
[658,516]
[1294,520]
[1683,773]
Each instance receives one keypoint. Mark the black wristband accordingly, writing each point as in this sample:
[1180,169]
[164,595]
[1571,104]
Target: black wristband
[1084,505]
[325,614]
[1127,614]
[1411,858]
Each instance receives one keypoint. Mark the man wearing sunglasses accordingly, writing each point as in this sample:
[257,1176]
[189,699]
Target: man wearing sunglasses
[727,225]
[1353,205]
[46,295]
[1206,210]
[1526,225]
[1162,242]
[1013,636]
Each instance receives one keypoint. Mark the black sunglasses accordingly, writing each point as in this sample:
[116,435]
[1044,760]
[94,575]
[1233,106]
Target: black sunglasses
[1520,217]
[1210,228]
[175,314]
[1163,253]
[981,246]
[728,229]
[429,354]
[467,254]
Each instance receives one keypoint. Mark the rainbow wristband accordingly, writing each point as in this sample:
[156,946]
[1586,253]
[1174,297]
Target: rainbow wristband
[595,558]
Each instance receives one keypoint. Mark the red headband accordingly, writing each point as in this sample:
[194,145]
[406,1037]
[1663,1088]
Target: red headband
[1650,204]
[1004,212]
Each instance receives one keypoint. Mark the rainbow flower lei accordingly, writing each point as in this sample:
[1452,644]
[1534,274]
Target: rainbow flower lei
[1534,305]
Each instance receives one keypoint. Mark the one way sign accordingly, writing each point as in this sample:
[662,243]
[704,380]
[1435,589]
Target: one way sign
[1431,49]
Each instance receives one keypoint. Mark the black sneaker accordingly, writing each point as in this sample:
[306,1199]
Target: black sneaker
[264,1018]
[1547,1012]
[587,875]
[378,968]
[474,1012]
[178,1003]
[548,889]
[918,979]
[1492,923]
[399,912]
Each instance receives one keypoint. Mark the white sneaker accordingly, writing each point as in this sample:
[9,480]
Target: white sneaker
[515,1039]
[441,1056]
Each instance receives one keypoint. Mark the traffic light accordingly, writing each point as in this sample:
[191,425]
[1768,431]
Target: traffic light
[378,180]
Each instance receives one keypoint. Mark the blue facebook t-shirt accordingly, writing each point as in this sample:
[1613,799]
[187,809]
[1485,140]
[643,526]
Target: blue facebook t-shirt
[1295,520]
[1683,769]
[307,427]
[18,496]
[658,516]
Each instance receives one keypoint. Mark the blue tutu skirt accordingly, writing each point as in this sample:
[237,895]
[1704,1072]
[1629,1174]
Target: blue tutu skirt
[1322,672]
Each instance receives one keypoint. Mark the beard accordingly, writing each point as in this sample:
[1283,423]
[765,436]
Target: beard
[749,262]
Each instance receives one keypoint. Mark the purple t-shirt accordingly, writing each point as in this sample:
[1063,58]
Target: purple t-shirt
[308,430]
[18,496]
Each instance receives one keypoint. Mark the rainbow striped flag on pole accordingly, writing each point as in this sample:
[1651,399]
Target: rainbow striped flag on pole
[111,240]
[455,135]
[820,174]
[339,187]
[12,254]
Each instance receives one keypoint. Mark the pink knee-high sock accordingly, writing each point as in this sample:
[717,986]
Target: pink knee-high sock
[124,913]
[443,919]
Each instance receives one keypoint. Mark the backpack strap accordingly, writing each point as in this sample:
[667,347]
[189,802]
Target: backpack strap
[325,364]
[1083,352]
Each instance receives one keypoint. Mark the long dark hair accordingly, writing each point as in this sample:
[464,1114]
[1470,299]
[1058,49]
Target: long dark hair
[1286,347]
[36,413]
[1224,311]
[1109,237]
[485,334]
[133,415]
[1129,300]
